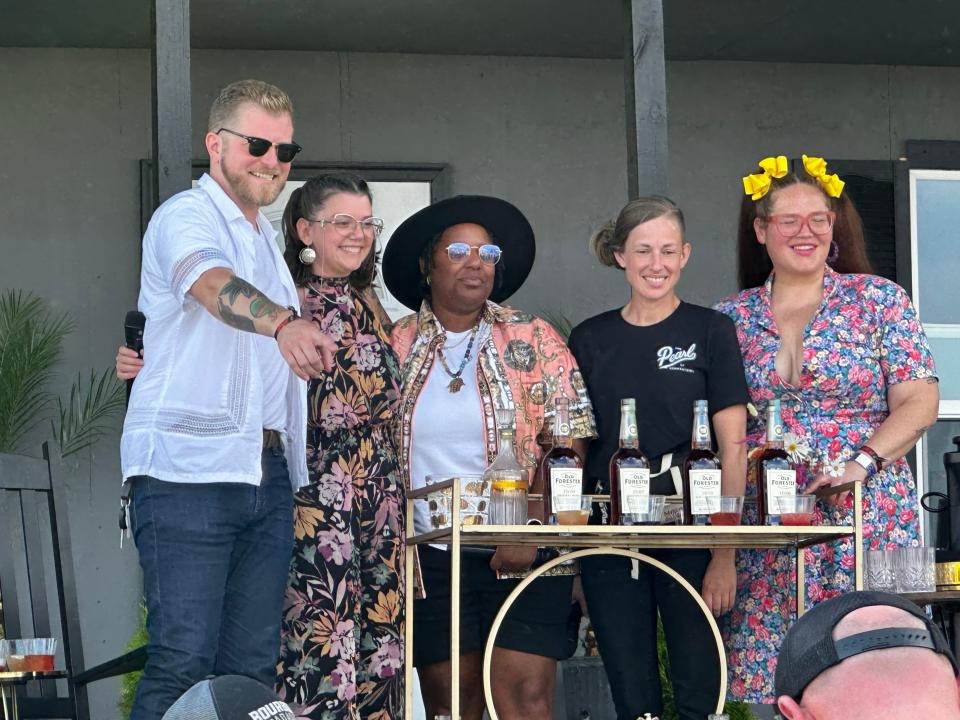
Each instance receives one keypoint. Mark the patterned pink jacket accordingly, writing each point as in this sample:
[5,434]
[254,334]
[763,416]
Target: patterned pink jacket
[524,361]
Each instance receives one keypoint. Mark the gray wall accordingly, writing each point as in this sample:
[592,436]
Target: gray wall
[546,133]
[74,125]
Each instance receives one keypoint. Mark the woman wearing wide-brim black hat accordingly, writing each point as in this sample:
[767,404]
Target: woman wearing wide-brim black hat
[411,244]
[464,356]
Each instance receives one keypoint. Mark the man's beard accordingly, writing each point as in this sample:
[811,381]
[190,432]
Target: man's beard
[248,190]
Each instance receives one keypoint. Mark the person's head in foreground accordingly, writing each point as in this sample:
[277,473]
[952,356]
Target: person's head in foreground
[229,697]
[866,655]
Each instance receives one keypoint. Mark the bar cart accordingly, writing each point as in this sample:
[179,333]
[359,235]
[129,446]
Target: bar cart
[585,540]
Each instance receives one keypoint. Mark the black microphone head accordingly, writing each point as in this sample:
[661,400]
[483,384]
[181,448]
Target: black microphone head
[136,319]
[133,330]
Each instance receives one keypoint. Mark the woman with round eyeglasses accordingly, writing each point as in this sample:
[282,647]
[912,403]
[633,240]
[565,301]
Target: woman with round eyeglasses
[342,632]
[464,357]
[342,629]
[845,353]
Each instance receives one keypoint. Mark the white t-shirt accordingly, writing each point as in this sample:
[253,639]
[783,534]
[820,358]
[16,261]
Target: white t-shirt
[447,429]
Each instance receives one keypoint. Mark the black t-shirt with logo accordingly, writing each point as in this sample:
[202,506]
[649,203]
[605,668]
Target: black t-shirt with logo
[691,355]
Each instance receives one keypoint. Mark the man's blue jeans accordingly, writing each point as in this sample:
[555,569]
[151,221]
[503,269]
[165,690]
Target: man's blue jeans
[215,558]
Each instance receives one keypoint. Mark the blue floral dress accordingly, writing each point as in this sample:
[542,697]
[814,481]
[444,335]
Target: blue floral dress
[864,337]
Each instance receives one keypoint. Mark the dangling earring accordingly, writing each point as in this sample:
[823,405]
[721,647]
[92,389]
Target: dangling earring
[308,255]
[834,252]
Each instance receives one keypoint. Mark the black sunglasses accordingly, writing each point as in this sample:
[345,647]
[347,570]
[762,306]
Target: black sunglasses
[258,146]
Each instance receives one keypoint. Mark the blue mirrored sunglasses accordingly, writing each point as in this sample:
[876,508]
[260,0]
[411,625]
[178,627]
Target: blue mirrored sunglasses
[458,252]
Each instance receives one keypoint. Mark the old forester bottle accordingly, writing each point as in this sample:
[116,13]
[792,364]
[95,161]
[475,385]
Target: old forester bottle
[629,470]
[775,474]
[562,471]
[701,471]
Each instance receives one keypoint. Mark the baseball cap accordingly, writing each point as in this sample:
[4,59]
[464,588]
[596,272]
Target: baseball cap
[229,697]
[809,647]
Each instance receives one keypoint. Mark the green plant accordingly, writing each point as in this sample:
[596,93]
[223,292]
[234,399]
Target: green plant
[128,683]
[736,710]
[560,322]
[83,421]
[31,342]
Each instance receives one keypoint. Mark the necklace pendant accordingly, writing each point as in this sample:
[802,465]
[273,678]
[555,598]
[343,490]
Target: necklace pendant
[456,385]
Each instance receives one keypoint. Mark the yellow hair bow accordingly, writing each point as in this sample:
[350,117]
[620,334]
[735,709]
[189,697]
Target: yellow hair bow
[756,186]
[816,167]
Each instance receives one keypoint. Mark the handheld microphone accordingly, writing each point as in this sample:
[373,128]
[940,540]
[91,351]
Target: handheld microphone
[133,337]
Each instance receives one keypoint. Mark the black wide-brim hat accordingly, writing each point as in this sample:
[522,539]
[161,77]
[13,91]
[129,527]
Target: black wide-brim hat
[509,227]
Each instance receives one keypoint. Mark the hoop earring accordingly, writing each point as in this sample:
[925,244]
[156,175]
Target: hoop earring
[834,252]
[307,255]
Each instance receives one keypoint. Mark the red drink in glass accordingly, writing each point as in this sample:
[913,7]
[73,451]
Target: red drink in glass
[38,663]
[796,518]
[724,518]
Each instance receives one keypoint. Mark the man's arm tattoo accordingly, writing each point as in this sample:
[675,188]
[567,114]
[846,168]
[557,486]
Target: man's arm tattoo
[233,320]
[234,288]
[230,305]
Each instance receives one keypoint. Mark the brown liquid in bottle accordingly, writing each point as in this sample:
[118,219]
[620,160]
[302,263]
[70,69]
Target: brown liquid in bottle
[561,470]
[701,471]
[629,468]
[774,473]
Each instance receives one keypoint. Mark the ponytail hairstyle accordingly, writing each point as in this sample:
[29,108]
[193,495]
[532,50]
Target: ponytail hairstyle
[306,202]
[611,237]
[753,262]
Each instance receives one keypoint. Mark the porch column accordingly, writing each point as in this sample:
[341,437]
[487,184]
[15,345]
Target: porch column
[170,66]
[646,98]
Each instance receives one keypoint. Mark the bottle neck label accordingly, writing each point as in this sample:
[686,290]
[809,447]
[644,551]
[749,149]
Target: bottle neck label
[561,421]
[774,427]
[701,435]
[628,429]
[566,489]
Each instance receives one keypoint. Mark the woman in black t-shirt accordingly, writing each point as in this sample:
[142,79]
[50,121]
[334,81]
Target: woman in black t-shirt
[665,353]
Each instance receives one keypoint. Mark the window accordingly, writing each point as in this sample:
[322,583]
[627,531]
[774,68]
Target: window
[935,262]
[935,271]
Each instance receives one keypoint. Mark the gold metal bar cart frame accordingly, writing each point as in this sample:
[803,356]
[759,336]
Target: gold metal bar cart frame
[586,540]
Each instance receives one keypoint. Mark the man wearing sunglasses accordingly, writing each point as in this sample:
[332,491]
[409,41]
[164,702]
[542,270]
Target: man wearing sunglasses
[213,441]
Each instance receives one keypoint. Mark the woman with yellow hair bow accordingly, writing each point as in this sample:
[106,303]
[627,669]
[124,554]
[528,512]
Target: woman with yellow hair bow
[844,352]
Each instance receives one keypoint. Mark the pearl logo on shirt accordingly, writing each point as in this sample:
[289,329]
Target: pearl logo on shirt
[674,358]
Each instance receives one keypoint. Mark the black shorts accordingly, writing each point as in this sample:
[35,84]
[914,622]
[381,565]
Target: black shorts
[542,621]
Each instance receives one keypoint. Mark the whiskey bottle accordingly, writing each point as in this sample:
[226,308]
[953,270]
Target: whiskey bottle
[562,472]
[629,470]
[701,471]
[775,474]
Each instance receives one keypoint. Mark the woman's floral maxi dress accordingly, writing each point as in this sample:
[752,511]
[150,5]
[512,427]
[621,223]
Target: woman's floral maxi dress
[864,338]
[342,633]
